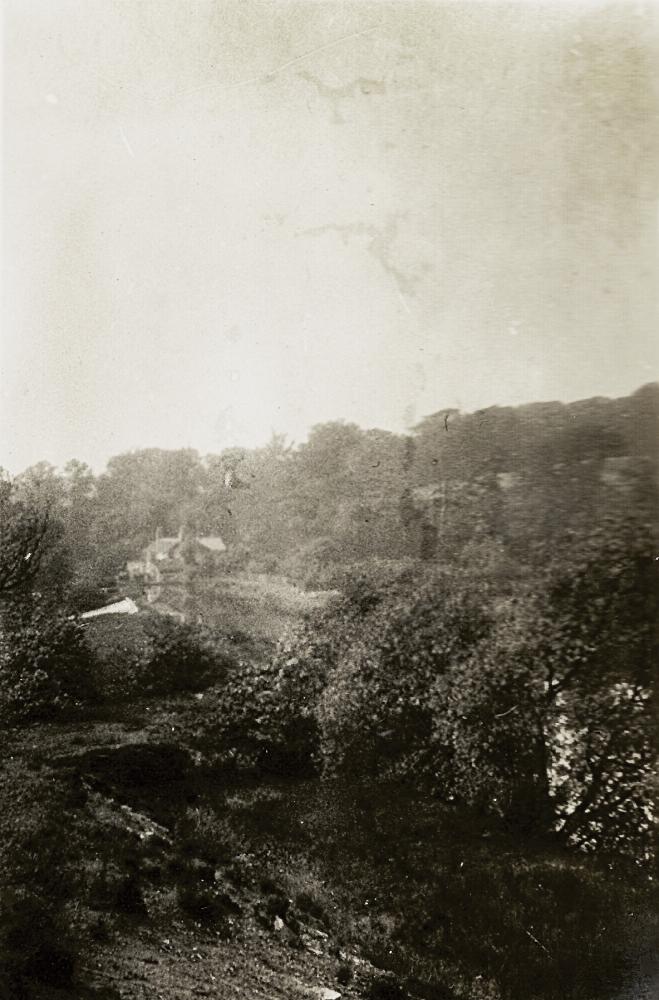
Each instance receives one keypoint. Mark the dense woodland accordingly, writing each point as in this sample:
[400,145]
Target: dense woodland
[457,744]
[500,484]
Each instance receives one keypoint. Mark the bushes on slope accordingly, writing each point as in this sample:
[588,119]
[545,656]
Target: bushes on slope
[46,666]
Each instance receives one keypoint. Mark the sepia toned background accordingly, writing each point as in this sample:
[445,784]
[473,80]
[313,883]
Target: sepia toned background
[329,483]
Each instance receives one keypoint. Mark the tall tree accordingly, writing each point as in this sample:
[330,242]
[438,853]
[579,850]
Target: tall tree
[28,531]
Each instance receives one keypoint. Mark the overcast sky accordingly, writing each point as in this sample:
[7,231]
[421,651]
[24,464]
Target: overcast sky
[223,219]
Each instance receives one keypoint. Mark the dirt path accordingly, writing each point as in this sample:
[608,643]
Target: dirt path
[255,966]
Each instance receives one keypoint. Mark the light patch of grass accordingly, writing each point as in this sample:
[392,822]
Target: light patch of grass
[259,606]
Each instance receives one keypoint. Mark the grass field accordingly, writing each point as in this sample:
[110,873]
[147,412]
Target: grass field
[261,606]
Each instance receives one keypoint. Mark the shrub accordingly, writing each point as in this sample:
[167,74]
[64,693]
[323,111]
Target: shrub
[549,722]
[348,688]
[313,565]
[38,882]
[46,666]
[178,658]
[156,655]
[202,833]
[201,896]
[394,639]
[489,751]
[534,709]
[344,973]
[264,718]
[128,899]
[84,595]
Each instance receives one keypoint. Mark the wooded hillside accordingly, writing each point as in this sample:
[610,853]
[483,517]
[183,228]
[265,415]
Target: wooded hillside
[498,484]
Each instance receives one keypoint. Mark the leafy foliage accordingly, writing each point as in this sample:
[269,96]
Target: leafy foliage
[27,531]
[263,719]
[504,480]
[46,666]
[178,657]
[534,708]
[392,644]
[150,654]
[38,882]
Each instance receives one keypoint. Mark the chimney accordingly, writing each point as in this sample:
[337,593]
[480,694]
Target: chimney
[158,534]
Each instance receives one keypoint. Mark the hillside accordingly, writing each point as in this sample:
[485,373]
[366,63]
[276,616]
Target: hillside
[189,887]
[142,942]
[400,746]
[507,480]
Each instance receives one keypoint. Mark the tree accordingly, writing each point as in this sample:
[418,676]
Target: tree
[549,723]
[145,490]
[79,485]
[46,666]
[385,643]
[27,531]
[262,484]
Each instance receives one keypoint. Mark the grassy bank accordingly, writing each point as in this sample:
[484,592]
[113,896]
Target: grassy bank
[259,608]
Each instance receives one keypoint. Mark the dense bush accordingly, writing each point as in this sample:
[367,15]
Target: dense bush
[534,709]
[394,639]
[313,565]
[85,595]
[38,883]
[317,701]
[151,654]
[486,734]
[550,722]
[178,657]
[264,717]
[46,666]
[29,534]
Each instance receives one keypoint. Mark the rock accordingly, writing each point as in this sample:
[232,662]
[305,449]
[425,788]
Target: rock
[323,993]
[278,924]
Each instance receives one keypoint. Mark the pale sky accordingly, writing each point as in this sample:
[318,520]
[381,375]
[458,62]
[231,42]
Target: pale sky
[224,219]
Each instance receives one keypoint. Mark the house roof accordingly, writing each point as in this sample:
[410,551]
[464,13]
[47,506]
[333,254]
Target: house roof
[124,607]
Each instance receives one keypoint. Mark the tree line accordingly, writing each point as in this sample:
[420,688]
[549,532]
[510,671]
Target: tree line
[491,487]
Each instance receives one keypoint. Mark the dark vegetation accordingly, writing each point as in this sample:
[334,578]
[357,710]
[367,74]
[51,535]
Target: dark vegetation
[158,655]
[442,776]
[494,488]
